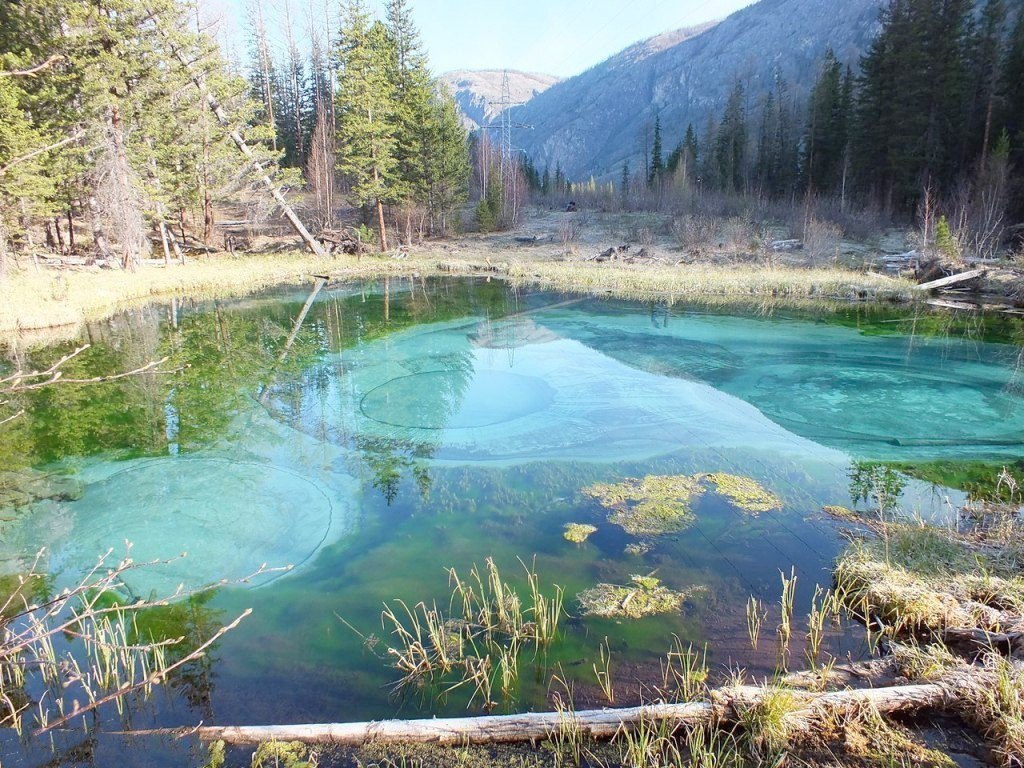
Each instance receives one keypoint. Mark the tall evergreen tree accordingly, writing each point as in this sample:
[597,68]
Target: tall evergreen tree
[657,165]
[824,146]
[365,109]
[731,142]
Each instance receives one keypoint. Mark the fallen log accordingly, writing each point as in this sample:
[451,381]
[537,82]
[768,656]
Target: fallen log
[944,282]
[726,705]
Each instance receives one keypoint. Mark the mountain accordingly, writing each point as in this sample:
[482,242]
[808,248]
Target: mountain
[479,93]
[593,122]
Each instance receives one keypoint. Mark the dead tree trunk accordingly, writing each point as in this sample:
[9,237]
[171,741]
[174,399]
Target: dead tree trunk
[199,81]
[725,706]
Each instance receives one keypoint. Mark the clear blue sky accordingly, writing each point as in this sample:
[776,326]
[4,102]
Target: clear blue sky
[558,37]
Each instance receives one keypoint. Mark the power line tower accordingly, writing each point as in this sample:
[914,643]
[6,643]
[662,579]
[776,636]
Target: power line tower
[509,178]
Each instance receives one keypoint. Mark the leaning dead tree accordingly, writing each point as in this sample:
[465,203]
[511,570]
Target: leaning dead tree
[198,80]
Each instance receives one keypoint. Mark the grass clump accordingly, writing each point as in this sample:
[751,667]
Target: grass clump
[478,641]
[916,576]
[644,596]
[661,504]
[649,506]
[999,710]
[282,754]
[578,533]
[744,492]
[765,724]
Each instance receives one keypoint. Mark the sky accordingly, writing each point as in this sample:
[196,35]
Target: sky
[556,37]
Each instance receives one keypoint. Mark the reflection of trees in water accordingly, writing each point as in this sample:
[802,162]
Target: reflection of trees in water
[195,621]
[390,460]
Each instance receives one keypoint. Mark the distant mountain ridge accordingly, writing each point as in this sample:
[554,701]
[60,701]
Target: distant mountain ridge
[478,93]
[591,123]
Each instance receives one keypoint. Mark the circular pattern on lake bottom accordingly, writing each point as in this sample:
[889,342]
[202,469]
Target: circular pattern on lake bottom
[230,517]
[456,399]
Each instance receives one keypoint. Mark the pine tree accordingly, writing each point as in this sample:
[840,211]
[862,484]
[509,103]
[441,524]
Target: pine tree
[825,137]
[986,47]
[624,183]
[657,164]
[365,108]
[731,142]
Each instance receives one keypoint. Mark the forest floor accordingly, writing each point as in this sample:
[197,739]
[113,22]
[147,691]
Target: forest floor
[630,255]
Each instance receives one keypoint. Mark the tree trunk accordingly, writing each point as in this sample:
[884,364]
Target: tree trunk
[199,81]
[725,706]
[380,224]
[99,234]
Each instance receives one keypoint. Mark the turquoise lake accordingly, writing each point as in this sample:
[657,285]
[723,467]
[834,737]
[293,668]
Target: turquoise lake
[403,430]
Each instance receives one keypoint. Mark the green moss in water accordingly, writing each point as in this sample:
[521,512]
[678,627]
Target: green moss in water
[744,493]
[578,533]
[662,504]
[649,506]
[644,596]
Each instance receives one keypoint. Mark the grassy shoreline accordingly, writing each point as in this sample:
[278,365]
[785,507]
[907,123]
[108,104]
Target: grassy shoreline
[62,301]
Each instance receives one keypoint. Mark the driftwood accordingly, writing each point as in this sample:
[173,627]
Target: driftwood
[725,706]
[344,240]
[944,282]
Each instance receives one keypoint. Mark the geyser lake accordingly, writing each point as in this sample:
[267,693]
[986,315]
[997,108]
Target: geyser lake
[408,428]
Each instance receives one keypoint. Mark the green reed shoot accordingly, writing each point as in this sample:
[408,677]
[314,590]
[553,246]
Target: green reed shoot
[684,672]
[603,672]
[756,615]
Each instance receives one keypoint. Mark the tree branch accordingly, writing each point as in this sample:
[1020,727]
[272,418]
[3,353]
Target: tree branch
[32,71]
[41,151]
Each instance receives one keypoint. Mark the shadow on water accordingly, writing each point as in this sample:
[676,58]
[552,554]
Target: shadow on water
[376,437]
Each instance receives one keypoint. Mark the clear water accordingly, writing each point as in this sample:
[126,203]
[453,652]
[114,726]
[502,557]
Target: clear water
[436,424]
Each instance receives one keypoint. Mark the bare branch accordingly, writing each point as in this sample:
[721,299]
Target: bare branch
[41,151]
[155,679]
[33,71]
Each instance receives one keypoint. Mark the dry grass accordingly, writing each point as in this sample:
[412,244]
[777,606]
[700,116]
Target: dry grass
[46,298]
[711,280]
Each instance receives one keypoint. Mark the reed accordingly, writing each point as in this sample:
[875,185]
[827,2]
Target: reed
[603,672]
[479,641]
[684,672]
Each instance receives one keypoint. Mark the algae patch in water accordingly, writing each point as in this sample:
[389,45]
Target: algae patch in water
[649,506]
[578,533]
[661,504]
[744,493]
[644,596]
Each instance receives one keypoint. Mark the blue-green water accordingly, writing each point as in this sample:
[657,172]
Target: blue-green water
[455,421]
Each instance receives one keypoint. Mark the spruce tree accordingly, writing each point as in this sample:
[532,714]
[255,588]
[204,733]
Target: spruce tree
[365,108]
[657,164]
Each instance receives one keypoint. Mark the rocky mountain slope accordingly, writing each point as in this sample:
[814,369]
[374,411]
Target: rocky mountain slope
[479,93]
[591,123]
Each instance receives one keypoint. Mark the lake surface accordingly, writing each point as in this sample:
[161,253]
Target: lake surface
[408,428]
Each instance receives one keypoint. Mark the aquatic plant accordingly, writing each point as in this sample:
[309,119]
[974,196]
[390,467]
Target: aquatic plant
[644,596]
[660,504]
[785,628]
[684,672]
[638,548]
[756,615]
[478,641]
[603,671]
[649,506]
[578,532]
[744,493]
